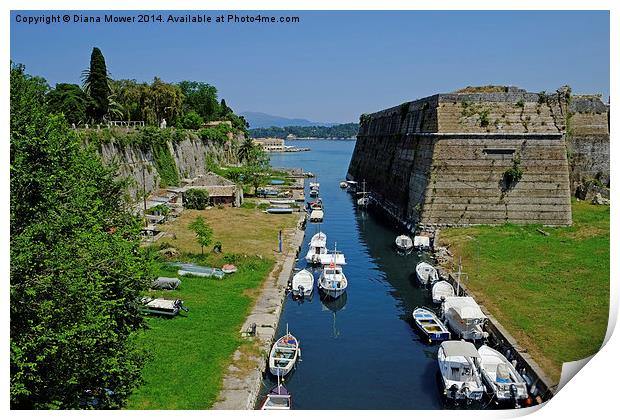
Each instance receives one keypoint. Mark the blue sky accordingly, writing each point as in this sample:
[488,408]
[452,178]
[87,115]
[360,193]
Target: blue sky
[333,66]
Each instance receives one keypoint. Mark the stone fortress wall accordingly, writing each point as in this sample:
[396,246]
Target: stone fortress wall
[442,160]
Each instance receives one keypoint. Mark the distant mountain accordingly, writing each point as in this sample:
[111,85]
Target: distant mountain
[262,120]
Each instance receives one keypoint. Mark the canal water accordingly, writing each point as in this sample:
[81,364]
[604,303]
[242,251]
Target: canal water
[360,351]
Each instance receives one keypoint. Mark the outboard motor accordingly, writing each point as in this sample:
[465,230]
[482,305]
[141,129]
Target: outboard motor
[454,389]
[179,304]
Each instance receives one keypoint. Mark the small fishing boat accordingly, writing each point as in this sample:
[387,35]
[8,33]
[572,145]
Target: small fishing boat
[316,204]
[501,377]
[363,201]
[160,306]
[279,210]
[316,216]
[428,322]
[278,398]
[314,193]
[303,284]
[317,247]
[465,317]
[422,242]
[229,268]
[343,184]
[315,186]
[459,367]
[284,354]
[442,290]
[282,201]
[404,243]
[333,282]
[426,273]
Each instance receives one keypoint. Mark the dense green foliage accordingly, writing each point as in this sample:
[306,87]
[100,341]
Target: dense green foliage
[337,131]
[217,134]
[204,233]
[76,266]
[166,167]
[192,121]
[200,98]
[96,85]
[71,101]
[196,198]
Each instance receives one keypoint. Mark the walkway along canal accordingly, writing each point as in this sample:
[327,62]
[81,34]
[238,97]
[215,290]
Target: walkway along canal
[360,351]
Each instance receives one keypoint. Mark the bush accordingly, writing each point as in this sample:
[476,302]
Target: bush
[218,134]
[195,198]
[192,121]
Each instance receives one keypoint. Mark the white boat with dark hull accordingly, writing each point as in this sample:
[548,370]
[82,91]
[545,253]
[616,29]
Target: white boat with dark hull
[430,325]
[459,363]
[442,290]
[333,283]
[283,355]
[404,243]
[422,242]
[317,247]
[426,273]
[316,216]
[501,377]
[303,284]
[278,398]
[465,317]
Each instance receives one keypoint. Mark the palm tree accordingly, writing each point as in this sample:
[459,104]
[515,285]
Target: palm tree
[245,150]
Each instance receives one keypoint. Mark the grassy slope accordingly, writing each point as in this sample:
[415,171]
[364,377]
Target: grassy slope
[551,292]
[191,352]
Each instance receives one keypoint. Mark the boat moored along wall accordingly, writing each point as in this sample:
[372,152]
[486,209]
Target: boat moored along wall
[477,156]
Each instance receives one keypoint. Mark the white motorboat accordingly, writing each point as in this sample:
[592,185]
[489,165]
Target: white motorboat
[316,216]
[501,377]
[278,398]
[314,193]
[426,273]
[303,284]
[333,282]
[459,363]
[430,325]
[317,247]
[404,243]
[422,242]
[465,317]
[315,185]
[442,290]
[283,355]
[344,184]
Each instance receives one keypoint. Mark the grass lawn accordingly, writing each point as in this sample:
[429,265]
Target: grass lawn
[190,352]
[550,292]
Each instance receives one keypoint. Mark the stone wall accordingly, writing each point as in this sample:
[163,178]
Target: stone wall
[190,156]
[441,160]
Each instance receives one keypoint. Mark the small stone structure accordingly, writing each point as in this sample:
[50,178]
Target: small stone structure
[477,156]
[221,190]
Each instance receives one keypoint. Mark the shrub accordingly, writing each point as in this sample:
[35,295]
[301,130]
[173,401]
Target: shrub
[196,198]
[192,121]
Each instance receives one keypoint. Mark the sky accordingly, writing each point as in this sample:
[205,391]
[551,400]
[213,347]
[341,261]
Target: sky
[332,66]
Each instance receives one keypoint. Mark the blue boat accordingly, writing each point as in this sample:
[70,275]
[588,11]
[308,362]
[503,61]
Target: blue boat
[430,325]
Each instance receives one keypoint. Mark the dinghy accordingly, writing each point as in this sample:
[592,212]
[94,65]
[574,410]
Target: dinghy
[283,355]
[442,290]
[459,367]
[343,184]
[160,306]
[501,377]
[426,273]
[314,193]
[278,398]
[317,247]
[404,243]
[430,325]
[303,284]
[422,242]
[465,317]
[316,216]
[279,210]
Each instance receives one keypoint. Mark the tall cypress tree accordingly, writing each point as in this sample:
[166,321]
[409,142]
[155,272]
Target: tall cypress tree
[96,85]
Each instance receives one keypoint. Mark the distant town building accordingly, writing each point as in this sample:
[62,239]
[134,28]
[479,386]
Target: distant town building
[271,144]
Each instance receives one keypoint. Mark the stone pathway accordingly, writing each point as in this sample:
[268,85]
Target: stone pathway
[241,387]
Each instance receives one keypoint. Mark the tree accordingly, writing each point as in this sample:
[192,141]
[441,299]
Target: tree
[69,100]
[245,150]
[203,232]
[96,85]
[224,109]
[192,120]
[163,100]
[200,98]
[76,266]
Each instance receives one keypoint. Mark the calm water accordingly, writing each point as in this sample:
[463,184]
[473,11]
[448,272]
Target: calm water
[360,351]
